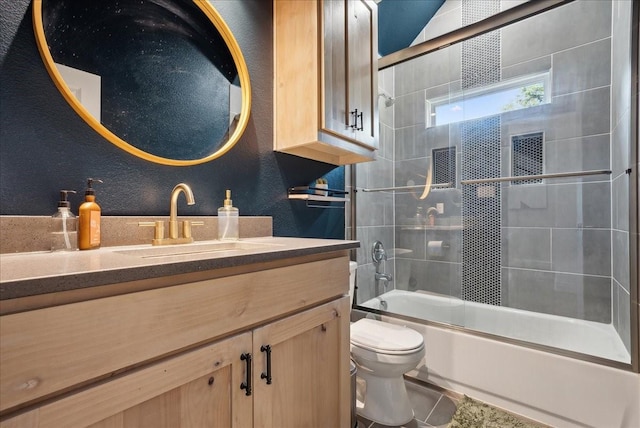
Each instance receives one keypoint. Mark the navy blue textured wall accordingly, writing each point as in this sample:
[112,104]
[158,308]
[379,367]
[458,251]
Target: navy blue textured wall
[45,146]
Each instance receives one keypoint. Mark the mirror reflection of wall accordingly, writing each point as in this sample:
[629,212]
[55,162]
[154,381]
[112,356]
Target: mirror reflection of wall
[167,76]
[235,102]
[85,87]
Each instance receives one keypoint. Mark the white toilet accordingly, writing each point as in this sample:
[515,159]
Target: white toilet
[383,352]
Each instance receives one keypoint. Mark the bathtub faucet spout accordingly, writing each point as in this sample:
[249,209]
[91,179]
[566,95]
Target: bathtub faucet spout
[383,276]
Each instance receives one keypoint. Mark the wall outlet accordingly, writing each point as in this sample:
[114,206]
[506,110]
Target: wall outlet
[440,208]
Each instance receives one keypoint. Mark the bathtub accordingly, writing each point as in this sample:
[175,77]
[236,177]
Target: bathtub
[586,337]
[549,387]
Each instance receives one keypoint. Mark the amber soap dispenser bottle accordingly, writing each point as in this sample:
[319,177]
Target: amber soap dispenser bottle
[89,219]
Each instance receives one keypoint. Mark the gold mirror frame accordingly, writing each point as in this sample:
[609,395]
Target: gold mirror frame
[232,45]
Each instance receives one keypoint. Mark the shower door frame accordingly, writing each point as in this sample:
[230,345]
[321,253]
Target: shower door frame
[497,21]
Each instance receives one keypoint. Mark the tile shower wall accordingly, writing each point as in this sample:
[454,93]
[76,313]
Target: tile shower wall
[480,142]
[620,161]
[556,238]
[375,216]
[481,253]
[417,266]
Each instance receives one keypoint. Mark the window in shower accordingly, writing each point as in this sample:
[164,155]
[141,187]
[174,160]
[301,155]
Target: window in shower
[488,100]
[527,156]
[444,166]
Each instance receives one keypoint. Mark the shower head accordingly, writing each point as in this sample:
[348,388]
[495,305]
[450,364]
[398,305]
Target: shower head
[388,100]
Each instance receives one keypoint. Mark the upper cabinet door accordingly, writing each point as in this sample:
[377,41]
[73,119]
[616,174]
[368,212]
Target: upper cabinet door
[350,69]
[326,82]
[335,67]
[362,59]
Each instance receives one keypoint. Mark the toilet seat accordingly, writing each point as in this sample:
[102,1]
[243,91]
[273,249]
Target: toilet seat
[384,338]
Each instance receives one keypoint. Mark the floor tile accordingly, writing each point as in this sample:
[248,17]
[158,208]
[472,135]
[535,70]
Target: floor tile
[363,422]
[438,426]
[443,412]
[413,424]
[423,400]
[428,405]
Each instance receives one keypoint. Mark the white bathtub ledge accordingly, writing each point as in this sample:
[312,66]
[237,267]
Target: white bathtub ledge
[553,389]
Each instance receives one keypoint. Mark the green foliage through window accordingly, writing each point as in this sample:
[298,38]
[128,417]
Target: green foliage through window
[500,97]
[529,96]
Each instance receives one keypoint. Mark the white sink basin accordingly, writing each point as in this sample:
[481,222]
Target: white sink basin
[197,248]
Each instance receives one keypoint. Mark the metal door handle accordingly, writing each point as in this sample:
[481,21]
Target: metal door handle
[361,128]
[355,116]
[267,375]
[247,385]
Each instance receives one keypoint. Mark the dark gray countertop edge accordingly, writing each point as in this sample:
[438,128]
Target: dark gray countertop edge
[74,281]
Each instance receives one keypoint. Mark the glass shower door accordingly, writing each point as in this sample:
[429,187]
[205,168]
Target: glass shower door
[501,190]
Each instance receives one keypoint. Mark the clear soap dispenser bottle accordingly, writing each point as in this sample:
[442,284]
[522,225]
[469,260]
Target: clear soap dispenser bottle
[228,220]
[64,226]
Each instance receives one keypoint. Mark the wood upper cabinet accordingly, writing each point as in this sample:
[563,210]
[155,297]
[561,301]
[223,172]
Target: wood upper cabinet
[326,79]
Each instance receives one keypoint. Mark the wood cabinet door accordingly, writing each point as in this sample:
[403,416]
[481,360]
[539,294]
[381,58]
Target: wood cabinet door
[335,67]
[199,388]
[309,369]
[351,69]
[362,54]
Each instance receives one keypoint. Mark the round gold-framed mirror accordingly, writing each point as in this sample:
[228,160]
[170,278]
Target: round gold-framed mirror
[150,76]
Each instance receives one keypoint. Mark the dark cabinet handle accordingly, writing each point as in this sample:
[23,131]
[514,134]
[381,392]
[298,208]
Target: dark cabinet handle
[357,116]
[267,375]
[247,385]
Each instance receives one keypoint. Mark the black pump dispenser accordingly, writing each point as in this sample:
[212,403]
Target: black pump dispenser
[64,225]
[64,202]
[90,190]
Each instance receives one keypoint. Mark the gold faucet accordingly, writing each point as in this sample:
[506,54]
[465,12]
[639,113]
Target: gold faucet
[173,209]
[174,237]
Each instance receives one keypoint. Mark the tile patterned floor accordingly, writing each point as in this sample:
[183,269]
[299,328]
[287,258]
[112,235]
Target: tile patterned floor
[431,408]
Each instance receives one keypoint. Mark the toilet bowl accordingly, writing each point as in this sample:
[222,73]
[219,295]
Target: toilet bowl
[383,353]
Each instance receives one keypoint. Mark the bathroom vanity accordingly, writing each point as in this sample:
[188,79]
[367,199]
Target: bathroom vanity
[252,335]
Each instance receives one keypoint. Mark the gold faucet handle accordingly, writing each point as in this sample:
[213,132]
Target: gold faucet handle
[159,227]
[186,227]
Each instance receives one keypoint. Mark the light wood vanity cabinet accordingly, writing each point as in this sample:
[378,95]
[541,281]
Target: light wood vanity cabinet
[307,362]
[177,356]
[193,389]
[326,79]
